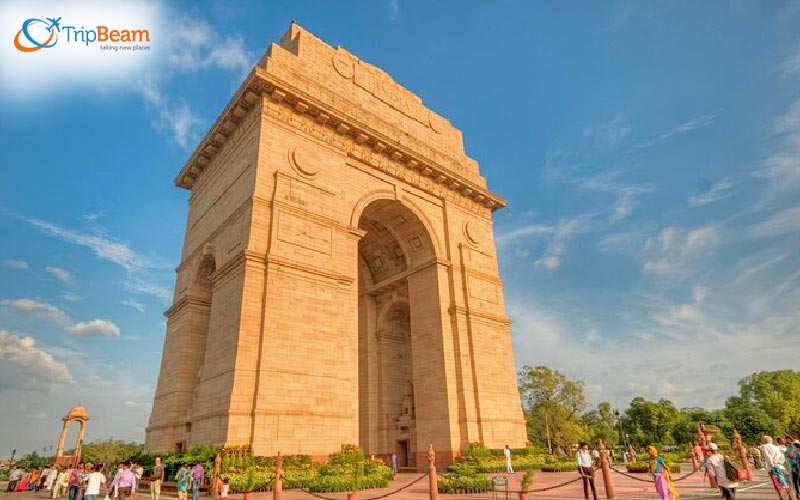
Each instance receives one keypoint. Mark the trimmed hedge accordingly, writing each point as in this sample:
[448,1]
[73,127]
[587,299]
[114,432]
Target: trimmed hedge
[451,483]
[560,467]
[642,467]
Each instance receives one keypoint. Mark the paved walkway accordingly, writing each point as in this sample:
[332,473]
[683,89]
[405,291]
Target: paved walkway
[692,487]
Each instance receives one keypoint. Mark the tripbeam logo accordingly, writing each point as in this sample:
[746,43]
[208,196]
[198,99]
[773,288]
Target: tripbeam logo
[37,34]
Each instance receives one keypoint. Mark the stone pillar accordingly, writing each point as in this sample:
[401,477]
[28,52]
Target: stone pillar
[432,478]
[742,453]
[61,438]
[608,481]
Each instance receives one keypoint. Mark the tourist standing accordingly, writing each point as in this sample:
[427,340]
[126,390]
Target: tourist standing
[223,492]
[773,460]
[52,475]
[507,459]
[393,459]
[94,481]
[586,470]
[156,479]
[183,477]
[198,474]
[75,481]
[661,476]
[715,465]
[792,454]
[124,481]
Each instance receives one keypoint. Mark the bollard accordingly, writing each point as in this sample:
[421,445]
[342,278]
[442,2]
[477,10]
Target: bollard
[739,447]
[608,481]
[277,488]
[432,480]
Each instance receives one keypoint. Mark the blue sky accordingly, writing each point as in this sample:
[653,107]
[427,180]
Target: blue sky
[649,152]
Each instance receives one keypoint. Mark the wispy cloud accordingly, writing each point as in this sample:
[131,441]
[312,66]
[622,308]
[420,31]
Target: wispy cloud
[784,222]
[515,235]
[756,268]
[394,9]
[781,163]
[717,192]
[557,248]
[16,264]
[174,118]
[60,274]
[93,216]
[135,264]
[680,129]
[104,248]
[134,304]
[674,250]
[791,65]
[71,296]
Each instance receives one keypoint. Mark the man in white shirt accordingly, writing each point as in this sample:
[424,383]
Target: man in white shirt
[94,480]
[585,469]
[715,465]
[774,459]
[507,457]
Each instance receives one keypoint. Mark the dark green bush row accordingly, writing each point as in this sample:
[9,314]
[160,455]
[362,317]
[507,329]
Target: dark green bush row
[560,467]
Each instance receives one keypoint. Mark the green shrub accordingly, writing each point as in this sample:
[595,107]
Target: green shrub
[448,483]
[570,466]
[4,473]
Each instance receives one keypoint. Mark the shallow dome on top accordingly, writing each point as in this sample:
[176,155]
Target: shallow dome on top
[78,412]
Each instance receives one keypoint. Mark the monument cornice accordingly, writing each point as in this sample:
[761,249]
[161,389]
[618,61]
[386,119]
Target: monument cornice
[260,83]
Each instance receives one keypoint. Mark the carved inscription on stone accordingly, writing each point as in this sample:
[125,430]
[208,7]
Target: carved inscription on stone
[295,230]
[484,291]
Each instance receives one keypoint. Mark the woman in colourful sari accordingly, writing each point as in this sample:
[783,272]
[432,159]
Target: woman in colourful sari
[661,477]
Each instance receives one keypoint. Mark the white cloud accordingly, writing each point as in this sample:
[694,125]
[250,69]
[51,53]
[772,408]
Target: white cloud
[784,222]
[174,118]
[672,252]
[60,274]
[717,192]
[753,269]
[36,308]
[16,264]
[681,129]
[139,286]
[701,239]
[624,204]
[93,216]
[781,162]
[26,366]
[71,296]
[95,327]
[105,248]
[134,304]
[791,65]
[522,232]
[557,248]
[110,250]
[699,293]
[394,9]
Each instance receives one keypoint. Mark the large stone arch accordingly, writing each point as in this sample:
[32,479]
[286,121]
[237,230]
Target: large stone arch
[315,147]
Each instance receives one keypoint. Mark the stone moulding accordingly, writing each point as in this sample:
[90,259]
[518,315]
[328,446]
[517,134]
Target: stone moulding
[259,83]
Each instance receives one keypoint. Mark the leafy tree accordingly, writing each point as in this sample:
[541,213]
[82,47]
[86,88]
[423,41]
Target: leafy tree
[652,422]
[111,451]
[34,460]
[600,423]
[553,406]
[767,402]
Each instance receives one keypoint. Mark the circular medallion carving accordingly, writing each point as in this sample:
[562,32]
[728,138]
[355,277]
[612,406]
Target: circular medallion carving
[343,65]
[469,233]
[303,162]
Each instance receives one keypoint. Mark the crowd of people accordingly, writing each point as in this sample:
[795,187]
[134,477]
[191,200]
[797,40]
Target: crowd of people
[89,481]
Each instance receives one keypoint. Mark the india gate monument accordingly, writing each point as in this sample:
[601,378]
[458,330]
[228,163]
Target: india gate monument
[338,280]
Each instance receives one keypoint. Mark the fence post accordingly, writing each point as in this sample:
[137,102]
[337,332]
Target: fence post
[432,480]
[608,481]
[277,488]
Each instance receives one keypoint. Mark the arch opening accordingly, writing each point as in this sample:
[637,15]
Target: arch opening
[395,246]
